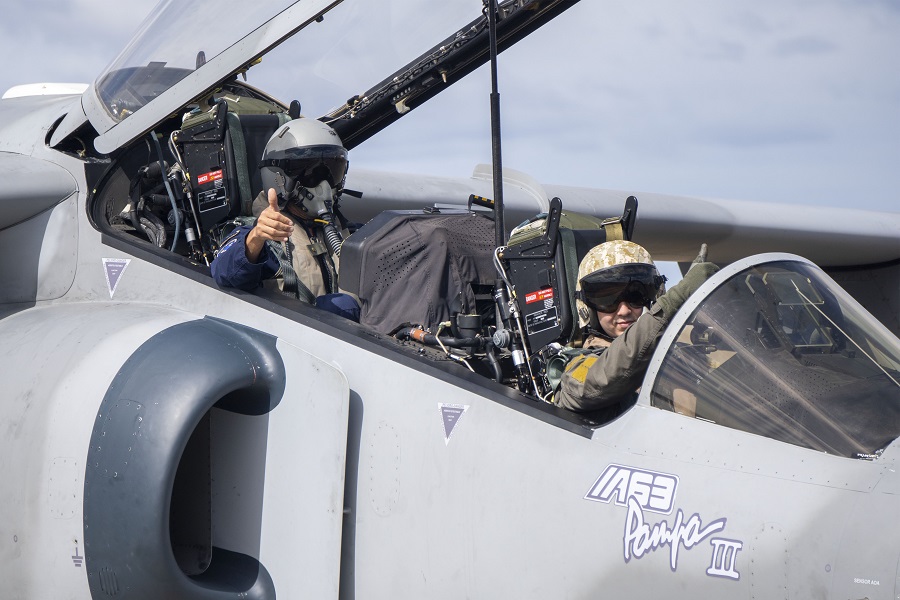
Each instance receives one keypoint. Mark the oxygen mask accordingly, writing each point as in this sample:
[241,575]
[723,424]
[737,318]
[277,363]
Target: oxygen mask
[313,201]
[317,201]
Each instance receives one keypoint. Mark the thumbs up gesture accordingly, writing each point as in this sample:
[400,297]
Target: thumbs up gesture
[271,225]
[701,257]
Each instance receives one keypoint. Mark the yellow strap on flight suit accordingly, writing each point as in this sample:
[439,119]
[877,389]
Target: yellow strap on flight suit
[578,368]
[613,229]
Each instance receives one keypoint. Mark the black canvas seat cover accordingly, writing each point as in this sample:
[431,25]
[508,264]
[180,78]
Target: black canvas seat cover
[418,267]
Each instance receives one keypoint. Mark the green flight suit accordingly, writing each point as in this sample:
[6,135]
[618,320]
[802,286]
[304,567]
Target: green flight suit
[602,379]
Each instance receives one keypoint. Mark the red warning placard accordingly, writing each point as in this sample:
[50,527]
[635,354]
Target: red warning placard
[208,177]
[539,295]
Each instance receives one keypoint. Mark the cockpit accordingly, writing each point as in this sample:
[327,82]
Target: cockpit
[424,277]
[180,136]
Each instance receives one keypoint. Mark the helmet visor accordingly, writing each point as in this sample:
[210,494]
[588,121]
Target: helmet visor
[311,165]
[635,283]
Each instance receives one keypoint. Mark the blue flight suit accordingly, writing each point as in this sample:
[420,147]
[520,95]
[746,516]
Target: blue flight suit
[231,268]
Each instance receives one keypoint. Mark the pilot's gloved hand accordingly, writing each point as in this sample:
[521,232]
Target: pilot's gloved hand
[701,256]
[271,225]
[700,271]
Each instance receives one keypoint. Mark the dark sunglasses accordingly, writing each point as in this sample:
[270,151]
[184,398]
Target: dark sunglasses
[635,298]
[636,284]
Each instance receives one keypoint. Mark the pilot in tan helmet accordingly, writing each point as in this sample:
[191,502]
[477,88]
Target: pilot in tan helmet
[623,309]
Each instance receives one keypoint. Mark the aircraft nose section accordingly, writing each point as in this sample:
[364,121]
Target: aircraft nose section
[148,523]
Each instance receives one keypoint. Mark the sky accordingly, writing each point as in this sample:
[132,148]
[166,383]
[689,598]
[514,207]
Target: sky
[783,101]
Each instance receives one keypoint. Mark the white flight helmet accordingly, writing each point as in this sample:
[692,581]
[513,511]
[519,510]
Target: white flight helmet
[303,153]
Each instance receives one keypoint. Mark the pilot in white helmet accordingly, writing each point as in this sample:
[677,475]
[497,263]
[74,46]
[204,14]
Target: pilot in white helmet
[294,239]
[623,309]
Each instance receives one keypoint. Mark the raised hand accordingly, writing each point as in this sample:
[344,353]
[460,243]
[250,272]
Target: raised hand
[271,225]
[701,256]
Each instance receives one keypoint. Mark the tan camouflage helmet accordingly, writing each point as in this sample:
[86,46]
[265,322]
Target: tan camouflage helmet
[605,255]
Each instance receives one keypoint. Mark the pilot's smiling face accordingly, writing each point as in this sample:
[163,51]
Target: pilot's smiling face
[615,323]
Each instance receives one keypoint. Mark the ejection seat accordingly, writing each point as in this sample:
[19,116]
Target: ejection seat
[246,138]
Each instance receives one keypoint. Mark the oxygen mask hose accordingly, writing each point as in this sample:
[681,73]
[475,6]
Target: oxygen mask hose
[318,201]
[332,236]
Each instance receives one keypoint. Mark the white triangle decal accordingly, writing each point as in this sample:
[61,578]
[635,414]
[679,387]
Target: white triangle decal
[450,416]
[113,269]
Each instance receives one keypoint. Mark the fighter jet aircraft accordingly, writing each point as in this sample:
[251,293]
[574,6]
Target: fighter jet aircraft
[166,438]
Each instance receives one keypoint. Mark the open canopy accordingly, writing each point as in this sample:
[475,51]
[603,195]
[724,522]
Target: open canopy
[362,61]
[173,59]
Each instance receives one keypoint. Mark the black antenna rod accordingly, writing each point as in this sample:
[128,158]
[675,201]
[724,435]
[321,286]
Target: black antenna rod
[496,161]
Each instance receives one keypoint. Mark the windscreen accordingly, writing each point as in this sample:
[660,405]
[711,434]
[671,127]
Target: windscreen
[782,351]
